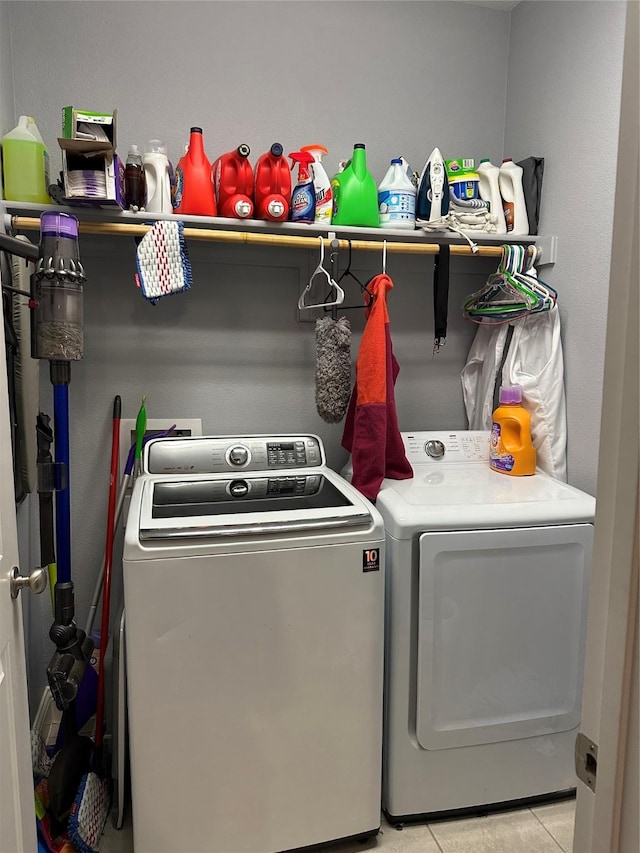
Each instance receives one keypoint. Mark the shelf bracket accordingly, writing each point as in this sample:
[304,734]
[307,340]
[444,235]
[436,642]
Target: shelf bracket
[547,250]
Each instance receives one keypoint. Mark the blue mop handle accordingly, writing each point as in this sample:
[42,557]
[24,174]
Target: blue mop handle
[63,495]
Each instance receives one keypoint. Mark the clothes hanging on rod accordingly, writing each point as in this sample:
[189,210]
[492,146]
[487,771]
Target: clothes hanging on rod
[526,352]
[371,431]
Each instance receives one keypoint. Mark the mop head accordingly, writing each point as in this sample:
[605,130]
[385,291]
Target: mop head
[40,758]
[89,814]
[162,261]
[333,368]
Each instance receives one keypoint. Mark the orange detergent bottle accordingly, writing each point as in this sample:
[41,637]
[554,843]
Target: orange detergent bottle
[193,187]
[512,451]
[273,185]
[232,177]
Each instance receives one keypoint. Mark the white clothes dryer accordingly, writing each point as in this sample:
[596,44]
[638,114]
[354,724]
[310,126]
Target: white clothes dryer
[254,596]
[485,626]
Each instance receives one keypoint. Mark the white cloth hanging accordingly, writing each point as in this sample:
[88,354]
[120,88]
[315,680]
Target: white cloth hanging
[533,360]
[479,374]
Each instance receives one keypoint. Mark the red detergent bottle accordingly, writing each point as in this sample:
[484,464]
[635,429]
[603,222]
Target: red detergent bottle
[232,177]
[194,192]
[273,185]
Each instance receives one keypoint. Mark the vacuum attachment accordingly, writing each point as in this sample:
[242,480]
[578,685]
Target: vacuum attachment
[73,649]
[58,331]
[333,368]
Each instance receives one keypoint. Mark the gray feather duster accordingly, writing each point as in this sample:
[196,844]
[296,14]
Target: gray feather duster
[333,368]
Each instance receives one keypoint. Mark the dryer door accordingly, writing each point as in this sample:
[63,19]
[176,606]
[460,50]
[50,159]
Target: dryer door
[501,631]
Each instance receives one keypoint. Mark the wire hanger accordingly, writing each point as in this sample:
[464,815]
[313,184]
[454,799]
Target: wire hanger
[510,293]
[368,295]
[320,270]
[384,257]
[503,298]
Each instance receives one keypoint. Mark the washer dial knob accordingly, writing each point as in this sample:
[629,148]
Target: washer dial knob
[434,449]
[238,488]
[238,456]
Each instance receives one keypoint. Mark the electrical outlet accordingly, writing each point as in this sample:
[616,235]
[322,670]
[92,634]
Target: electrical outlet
[184,427]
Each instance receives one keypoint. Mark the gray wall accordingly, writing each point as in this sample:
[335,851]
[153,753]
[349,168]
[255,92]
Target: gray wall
[256,72]
[401,77]
[6,74]
[563,103]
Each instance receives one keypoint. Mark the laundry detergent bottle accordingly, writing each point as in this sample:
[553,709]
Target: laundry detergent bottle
[194,192]
[321,185]
[303,197]
[512,451]
[25,164]
[355,194]
[232,177]
[489,189]
[512,192]
[397,197]
[273,185]
[157,176]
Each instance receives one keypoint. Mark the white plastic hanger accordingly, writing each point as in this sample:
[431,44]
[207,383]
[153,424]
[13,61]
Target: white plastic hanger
[320,270]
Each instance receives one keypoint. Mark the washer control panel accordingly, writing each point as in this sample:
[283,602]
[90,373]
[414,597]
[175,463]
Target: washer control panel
[218,455]
[430,446]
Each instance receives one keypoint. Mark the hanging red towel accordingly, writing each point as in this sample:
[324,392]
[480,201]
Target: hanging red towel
[371,432]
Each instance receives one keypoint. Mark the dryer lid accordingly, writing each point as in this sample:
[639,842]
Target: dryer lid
[466,497]
[453,488]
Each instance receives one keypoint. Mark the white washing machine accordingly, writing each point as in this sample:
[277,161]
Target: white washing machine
[487,580]
[254,596]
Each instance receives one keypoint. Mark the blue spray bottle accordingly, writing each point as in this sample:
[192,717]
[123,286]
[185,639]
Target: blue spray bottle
[303,198]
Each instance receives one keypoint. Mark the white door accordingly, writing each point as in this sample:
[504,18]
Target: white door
[607,812]
[17,815]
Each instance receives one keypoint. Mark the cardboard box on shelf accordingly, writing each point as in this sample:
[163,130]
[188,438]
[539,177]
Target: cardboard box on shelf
[92,173]
[98,129]
[94,179]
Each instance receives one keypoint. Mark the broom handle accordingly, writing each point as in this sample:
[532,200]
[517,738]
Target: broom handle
[106,593]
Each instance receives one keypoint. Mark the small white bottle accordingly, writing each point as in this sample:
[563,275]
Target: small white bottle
[397,197]
[157,177]
[512,192]
[489,189]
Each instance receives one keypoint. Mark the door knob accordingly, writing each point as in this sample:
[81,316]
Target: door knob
[36,581]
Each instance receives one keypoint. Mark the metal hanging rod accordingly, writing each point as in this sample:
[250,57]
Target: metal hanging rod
[248,238]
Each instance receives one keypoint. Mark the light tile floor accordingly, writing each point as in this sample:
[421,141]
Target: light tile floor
[542,829]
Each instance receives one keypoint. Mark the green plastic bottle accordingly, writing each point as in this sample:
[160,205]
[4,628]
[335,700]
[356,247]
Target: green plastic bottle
[25,164]
[355,194]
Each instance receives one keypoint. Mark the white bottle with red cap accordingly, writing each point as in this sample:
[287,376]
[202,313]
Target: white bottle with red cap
[512,192]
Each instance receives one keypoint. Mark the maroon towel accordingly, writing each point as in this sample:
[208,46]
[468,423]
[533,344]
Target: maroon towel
[371,432]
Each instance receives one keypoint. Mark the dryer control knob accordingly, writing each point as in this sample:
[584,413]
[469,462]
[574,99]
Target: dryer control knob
[239,488]
[434,449]
[238,456]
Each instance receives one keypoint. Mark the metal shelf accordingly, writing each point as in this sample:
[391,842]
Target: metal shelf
[22,216]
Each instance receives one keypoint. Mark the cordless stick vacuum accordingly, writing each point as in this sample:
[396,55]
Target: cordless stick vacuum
[58,336]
